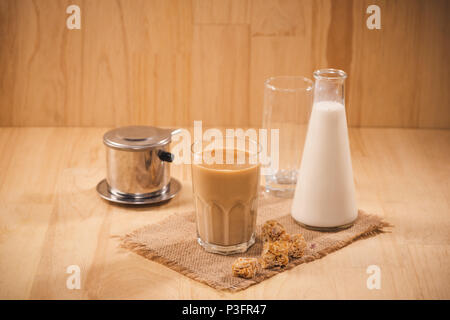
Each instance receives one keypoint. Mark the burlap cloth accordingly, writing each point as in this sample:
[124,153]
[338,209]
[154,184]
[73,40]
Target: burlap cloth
[173,243]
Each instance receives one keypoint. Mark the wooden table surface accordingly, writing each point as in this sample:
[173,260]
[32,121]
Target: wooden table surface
[51,218]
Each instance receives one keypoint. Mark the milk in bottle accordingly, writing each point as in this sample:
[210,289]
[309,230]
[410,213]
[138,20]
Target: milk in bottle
[325,194]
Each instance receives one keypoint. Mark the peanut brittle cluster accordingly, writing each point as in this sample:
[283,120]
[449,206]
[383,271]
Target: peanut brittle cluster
[273,230]
[275,253]
[245,267]
[297,245]
[278,247]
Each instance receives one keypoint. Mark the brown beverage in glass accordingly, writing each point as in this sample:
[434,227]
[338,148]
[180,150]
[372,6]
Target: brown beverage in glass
[226,198]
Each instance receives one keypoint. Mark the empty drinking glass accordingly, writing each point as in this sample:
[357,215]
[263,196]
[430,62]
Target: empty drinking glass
[287,107]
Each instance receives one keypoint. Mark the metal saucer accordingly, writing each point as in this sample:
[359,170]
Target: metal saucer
[173,189]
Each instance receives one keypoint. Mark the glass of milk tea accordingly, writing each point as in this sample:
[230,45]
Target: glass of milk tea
[287,106]
[225,182]
[325,193]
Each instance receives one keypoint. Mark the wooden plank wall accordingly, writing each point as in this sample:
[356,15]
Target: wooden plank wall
[169,62]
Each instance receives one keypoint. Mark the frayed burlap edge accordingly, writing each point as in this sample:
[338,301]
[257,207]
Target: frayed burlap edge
[144,251]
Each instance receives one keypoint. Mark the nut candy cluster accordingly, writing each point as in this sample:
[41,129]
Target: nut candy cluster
[279,246]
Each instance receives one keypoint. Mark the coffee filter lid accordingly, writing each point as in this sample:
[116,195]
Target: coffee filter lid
[137,137]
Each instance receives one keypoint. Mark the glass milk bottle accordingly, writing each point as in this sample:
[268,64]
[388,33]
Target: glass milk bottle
[325,194]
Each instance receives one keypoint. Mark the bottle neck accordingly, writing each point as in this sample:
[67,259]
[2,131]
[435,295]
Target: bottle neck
[329,85]
[329,90]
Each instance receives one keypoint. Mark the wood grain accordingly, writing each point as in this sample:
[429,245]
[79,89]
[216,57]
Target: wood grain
[221,11]
[51,218]
[170,62]
[223,96]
